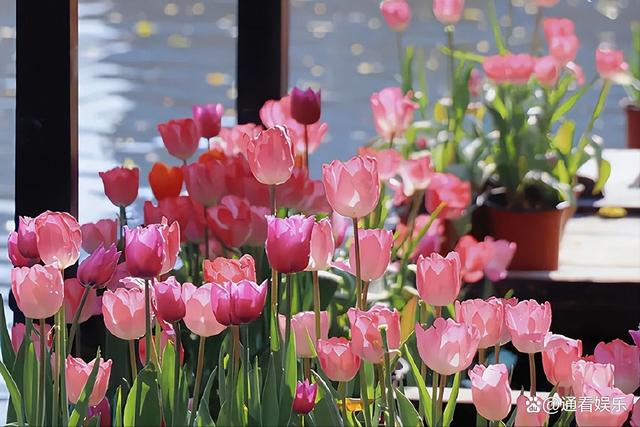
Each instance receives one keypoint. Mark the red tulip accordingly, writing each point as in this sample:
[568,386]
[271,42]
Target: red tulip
[338,359]
[27,240]
[448,12]
[208,118]
[222,270]
[558,355]
[238,303]
[230,220]
[305,106]
[510,68]
[392,112]
[303,327]
[365,332]
[180,137]
[123,312]
[144,251]
[396,13]
[168,296]
[270,156]
[59,238]
[165,180]
[98,268]
[547,71]
[610,63]
[322,246]
[305,398]
[288,242]
[73,291]
[77,373]
[352,187]
[38,290]
[448,188]
[528,323]
[626,360]
[490,391]
[15,256]
[438,278]
[486,316]
[121,185]
[389,161]
[199,316]
[100,233]
[456,345]
[203,179]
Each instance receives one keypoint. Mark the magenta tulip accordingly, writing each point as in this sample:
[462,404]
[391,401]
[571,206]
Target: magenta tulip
[490,391]
[438,278]
[144,251]
[27,240]
[15,256]
[38,290]
[305,105]
[305,398]
[456,345]
[528,323]
[98,268]
[352,187]
[208,118]
[238,303]
[121,185]
[180,137]
[59,238]
[168,297]
[288,243]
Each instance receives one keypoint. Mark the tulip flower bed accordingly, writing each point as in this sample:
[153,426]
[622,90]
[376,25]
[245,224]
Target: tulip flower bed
[263,297]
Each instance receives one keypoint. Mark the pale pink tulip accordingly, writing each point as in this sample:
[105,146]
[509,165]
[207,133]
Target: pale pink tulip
[270,156]
[448,12]
[528,323]
[303,327]
[456,345]
[389,161]
[77,373]
[499,256]
[416,174]
[366,339]
[438,278]
[322,246]
[38,290]
[486,316]
[509,68]
[490,391]
[563,49]
[392,112]
[199,316]
[626,360]
[530,412]
[338,359]
[123,312]
[558,355]
[59,238]
[396,13]
[352,187]
[614,414]
[375,253]
[590,373]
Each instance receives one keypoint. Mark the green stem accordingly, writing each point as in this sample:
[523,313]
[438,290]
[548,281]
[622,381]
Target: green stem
[176,372]
[387,379]
[443,383]
[56,376]
[275,334]
[76,318]
[343,395]
[64,407]
[132,360]
[356,242]
[147,320]
[198,381]
[287,335]
[434,397]
[316,303]
[41,407]
[364,395]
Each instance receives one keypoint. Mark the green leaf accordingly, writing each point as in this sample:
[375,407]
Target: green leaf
[30,383]
[117,413]
[270,405]
[425,399]
[82,405]
[604,171]
[16,397]
[563,140]
[326,411]
[143,406]
[407,69]
[204,416]
[408,319]
[167,385]
[495,26]
[407,412]
[447,416]
[290,380]
[8,355]
[570,102]
[254,393]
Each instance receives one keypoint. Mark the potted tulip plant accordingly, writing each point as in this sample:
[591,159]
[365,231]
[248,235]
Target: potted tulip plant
[632,107]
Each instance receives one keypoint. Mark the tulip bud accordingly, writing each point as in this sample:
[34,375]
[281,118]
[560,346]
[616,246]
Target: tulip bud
[490,391]
[305,398]
[396,13]
[305,105]
[338,359]
[438,278]
[288,242]
[121,185]
[456,343]
[98,268]
[77,373]
[208,118]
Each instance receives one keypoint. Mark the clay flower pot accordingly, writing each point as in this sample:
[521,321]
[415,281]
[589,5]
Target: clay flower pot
[633,125]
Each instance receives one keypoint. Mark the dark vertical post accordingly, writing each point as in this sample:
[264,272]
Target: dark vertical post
[263,55]
[46,107]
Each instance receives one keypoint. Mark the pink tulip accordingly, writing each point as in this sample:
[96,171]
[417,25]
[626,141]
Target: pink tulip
[15,256]
[258,234]
[100,233]
[77,374]
[339,225]
[448,12]
[614,414]
[207,118]
[144,251]
[451,190]
[305,398]
[396,13]
[547,71]
[557,27]
[392,112]
[27,240]
[168,296]
[121,185]
[490,391]
[626,360]
[577,72]
[509,68]
[203,180]
[238,303]
[98,268]
[557,357]
[499,256]
[199,316]
[438,278]
[430,242]
[305,106]
[120,273]
[270,156]
[590,373]
[230,220]
[38,290]
[528,323]
[59,238]
[338,359]
[166,336]
[506,335]
[17,336]
[475,82]
[634,421]
[352,187]
[563,48]
[486,316]
[416,174]
[389,161]
[123,312]
[610,63]
[73,291]
[303,327]
[375,253]
[366,339]
[530,412]
[180,137]
[473,258]
[171,236]
[322,246]
[288,243]
[222,270]
[456,345]
[635,336]
[546,3]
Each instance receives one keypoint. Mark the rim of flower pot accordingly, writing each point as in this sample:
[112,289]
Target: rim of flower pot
[628,104]
[488,199]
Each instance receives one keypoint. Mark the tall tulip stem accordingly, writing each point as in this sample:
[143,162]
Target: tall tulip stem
[342,387]
[356,242]
[132,360]
[496,354]
[275,335]
[42,399]
[147,320]
[176,372]
[532,373]
[287,335]
[198,381]
[272,196]
[306,147]
[387,378]
[482,356]
[364,396]
[316,302]
[76,319]
[206,235]
[434,398]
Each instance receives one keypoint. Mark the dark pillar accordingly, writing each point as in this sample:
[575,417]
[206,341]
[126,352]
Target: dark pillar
[263,55]
[46,107]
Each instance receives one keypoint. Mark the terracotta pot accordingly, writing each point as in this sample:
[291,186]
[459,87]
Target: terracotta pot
[537,233]
[633,126]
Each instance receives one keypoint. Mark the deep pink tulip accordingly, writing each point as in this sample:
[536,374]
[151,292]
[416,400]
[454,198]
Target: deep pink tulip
[73,291]
[270,156]
[338,359]
[396,13]
[610,63]
[77,374]
[528,323]
[27,240]
[98,268]
[171,237]
[322,246]
[102,410]
[180,137]
[416,174]
[448,188]
[547,71]
[438,278]
[626,360]
[448,12]
[490,391]
[546,3]
[389,161]
[634,421]
[288,243]
[203,180]
[305,105]
[392,112]
[222,270]
[38,290]
[614,414]
[366,339]
[144,251]
[59,238]
[208,118]
[166,336]
[17,336]
[585,372]
[168,296]
[486,316]
[305,398]
[303,327]
[352,187]
[99,233]
[530,412]
[199,316]
[238,303]
[121,185]
[509,68]
[563,49]
[557,357]
[557,27]
[15,256]
[456,343]
[258,234]
[375,253]
[230,220]
[123,313]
